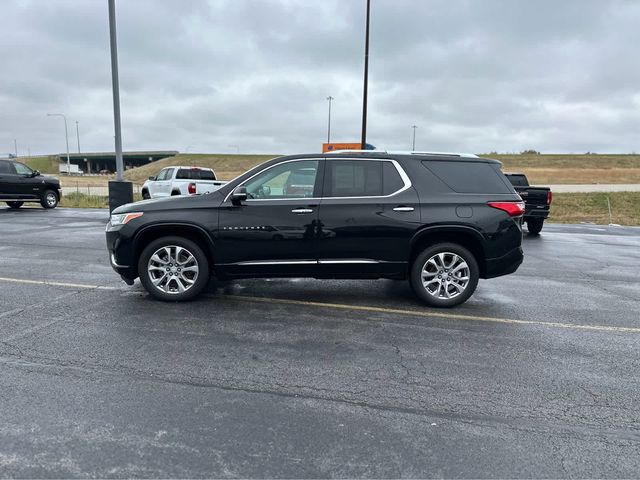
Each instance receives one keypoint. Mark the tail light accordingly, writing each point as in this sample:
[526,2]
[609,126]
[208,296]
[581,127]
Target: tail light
[549,197]
[191,189]
[514,209]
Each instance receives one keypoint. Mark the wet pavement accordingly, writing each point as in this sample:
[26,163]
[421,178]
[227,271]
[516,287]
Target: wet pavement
[536,375]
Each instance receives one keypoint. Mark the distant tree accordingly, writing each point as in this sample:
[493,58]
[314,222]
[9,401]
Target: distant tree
[530,152]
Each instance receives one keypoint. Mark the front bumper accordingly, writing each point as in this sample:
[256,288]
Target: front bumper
[504,265]
[120,254]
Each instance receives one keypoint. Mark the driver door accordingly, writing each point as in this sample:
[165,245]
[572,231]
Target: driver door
[273,232]
[22,184]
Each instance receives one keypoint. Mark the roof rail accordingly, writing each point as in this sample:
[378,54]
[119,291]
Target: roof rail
[355,151]
[443,154]
[408,152]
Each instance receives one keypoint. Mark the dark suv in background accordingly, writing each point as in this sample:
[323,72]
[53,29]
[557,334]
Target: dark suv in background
[440,220]
[19,184]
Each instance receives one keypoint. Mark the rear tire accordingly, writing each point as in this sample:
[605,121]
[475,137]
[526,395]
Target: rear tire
[49,199]
[173,269]
[444,275]
[15,204]
[534,225]
[175,193]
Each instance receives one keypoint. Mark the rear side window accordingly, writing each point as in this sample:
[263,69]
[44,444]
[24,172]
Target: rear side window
[362,178]
[6,167]
[469,177]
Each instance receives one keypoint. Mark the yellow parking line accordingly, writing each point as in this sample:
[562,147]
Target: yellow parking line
[364,308]
[56,284]
[436,314]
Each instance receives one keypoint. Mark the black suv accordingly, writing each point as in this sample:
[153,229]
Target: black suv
[443,221]
[19,184]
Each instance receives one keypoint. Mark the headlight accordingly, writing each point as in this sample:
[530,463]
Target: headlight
[124,218]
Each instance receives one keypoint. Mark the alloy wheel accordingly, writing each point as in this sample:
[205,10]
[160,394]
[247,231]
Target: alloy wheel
[445,275]
[173,269]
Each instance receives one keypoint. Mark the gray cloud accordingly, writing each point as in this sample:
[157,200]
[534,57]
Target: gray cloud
[473,75]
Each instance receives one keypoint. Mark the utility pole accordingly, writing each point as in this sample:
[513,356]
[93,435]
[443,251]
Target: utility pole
[330,98]
[366,78]
[66,137]
[15,147]
[78,135]
[413,148]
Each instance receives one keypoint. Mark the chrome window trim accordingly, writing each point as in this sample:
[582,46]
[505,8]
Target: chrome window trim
[403,176]
[268,168]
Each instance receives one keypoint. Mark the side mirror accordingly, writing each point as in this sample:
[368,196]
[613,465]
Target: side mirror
[152,177]
[36,173]
[239,195]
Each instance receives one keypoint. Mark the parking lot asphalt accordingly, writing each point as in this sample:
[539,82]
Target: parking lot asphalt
[536,375]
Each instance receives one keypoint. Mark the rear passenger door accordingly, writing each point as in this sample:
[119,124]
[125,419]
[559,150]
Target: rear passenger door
[368,213]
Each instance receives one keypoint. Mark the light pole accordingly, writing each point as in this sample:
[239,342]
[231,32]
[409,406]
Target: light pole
[15,147]
[120,192]
[366,79]
[413,148]
[330,98]
[78,135]
[66,137]
[115,84]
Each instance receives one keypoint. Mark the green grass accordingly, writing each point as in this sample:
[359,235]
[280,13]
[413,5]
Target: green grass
[592,208]
[43,164]
[82,200]
[566,161]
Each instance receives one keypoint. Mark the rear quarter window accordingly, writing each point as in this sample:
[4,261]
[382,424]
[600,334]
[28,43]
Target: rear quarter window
[469,177]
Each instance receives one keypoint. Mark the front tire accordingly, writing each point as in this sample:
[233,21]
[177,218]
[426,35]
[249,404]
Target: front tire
[49,199]
[145,195]
[534,225]
[444,275]
[15,204]
[173,269]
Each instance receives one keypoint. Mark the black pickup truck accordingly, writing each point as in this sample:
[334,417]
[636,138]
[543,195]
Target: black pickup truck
[537,201]
[19,184]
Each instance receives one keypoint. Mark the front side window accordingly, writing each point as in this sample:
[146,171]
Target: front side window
[286,180]
[164,174]
[22,169]
[363,178]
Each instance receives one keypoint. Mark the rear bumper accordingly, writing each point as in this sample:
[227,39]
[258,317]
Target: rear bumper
[504,265]
[536,212]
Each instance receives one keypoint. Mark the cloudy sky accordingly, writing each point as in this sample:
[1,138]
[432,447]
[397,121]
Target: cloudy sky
[205,76]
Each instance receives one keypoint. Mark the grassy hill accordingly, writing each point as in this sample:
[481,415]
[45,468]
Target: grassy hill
[540,168]
[226,166]
[46,164]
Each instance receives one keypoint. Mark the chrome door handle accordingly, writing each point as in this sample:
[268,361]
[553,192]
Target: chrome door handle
[403,209]
[302,210]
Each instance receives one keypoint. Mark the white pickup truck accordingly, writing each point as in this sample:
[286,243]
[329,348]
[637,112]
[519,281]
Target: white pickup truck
[181,181]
